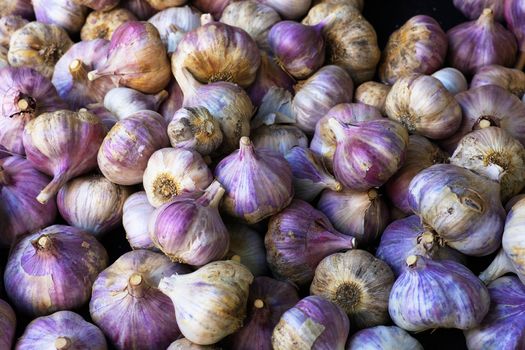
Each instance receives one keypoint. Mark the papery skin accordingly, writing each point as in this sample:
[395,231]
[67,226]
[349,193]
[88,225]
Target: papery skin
[513,238]
[313,323]
[514,13]
[419,46]
[280,138]
[185,344]
[7,324]
[71,80]
[424,106]
[107,118]
[421,153]
[71,152]
[102,24]
[512,80]
[98,5]
[247,247]
[298,238]
[136,58]
[288,9]
[135,216]
[32,87]
[92,203]
[298,48]
[479,43]
[463,208]
[20,183]
[493,104]
[373,94]
[358,4]
[210,303]
[122,310]
[140,8]
[40,280]
[363,215]
[124,153]
[383,338]
[472,9]
[42,333]
[500,266]
[407,236]
[495,154]
[452,79]
[314,97]
[214,7]
[258,182]
[324,142]
[189,228]
[218,52]
[39,46]
[66,14]
[123,102]
[350,39]
[164,4]
[173,102]
[9,25]
[22,8]
[369,153]
[277,298]
[504,326]
[462,301]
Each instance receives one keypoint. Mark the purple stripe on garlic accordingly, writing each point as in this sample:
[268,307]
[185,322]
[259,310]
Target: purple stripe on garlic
[383,338]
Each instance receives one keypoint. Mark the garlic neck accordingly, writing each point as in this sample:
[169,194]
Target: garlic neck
[258,303]
[427,241]
[43,243]
[137,285]
[78,70]
[62,343]
[246,147]
[486,18]
[213,195]
[25,103]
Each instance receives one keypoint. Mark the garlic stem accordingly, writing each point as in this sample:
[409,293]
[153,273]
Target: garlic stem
[487,17]
[236,258]
[62,343]
[136,285]
[484,123]
[159,98]
[372,194]
[213,195]
[78,71]
[258,303]
[23,104]
[246,147]
[206,18]
[42,243]
[427,240]
[52,188]
[497,268]
[411,261]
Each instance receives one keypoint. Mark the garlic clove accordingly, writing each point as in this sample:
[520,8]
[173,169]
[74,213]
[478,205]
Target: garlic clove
[500,266]
[383,338]
[102,24]
[135,216]
[452,79]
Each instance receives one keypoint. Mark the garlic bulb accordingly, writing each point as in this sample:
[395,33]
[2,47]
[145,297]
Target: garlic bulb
[172,23]
[500,266]
[22,8]
[472,9]
[126,298]
[140,8]
[173,171]
[8,324]
[363,215]
[418,46]
[513,238]
[98,5]
[280,138]
[247,247]
[255,18]
[39,46]
[9,25]
[66,14]
[462,299]
[314,97]
[173,102]
[123,102]
[92,203]
[185,344]
[102,24]
[452,79]
[424,106]
[195,129]
[383,338]
[135,216]
[512,80]
[258,182]
[210,303]
[373,94]
[351,40]
[289,9]
[358,283]
[214,7]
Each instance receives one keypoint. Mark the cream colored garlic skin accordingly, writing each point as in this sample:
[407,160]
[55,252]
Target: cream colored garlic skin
[135,215]
[102,24]
[210,303]
[373,94]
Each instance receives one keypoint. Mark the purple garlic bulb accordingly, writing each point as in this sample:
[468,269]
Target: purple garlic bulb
[512,80]
[383,338]
[173,102]
[462,299]
[63,330]
[369,153]
[258,182]
[69,15]
[479,43]
[123,102]
[189,229]
[514,11]
[7,325]
[279,137]
[140,8]
[472,9]
[504,325]
[126,299]
[298,238]
[135,216]
[53,269]
[313,323]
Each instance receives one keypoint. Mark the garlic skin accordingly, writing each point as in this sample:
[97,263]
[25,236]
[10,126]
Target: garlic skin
[140,8]
[373,94]
[126,296]
[514,14]
[102,24]
[463,208]
[172,23]
[314,97]
[185,344]
[213,7]
[258,182]
[452,79]
[22,8]
[247,247]
[288,9]
[418,46]
[123,102]
[173,102]
[135,216]
[424,106]
[195,129]
[53,269]
[513,238]
[512,80]
[280,138]
[39,46]
[255,18]
[313,323]
[500,266]
[107,118]
[124,153]
[210,303]
[363,215]
[489,40]
[358,283]
[463,300]
[61,330]
[358,4]
[164,4]
[66,14]
[9,25]
[98,5]
[383,338]
[495,154]
[173,171]
[8,324]
[350,39]
[472,9]
[92,203]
